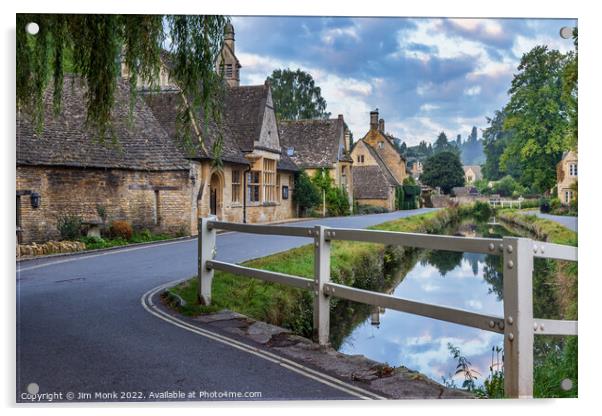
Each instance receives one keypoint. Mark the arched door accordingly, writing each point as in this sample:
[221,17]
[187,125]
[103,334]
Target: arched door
[215,195]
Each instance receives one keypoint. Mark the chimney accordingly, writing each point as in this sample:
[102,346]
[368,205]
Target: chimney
[374,119]
[340,117]
[381,125]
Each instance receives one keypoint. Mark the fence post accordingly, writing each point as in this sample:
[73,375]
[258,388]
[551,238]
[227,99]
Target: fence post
[206,252]
[321,328]
[518,316]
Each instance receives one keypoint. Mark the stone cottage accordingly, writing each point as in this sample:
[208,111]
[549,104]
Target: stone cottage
[566,177]
[146,177]
[378,166]
[316,145]
[472,173]
[64,170]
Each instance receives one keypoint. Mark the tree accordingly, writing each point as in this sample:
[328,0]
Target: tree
[569,94]
[306,195]
[441,144]
[536,114]
[92,46]
[296,95]
[443,170]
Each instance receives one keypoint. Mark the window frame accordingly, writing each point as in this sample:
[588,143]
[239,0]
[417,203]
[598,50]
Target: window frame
[236,186]
[253,188]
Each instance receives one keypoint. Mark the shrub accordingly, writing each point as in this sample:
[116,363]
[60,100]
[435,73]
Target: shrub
[544,205]
[337,202]
[482,211]
[368,209]
[70,227]
[306,195]
[121,229]
[508,186]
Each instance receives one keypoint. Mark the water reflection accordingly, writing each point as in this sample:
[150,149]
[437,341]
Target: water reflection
[461,280]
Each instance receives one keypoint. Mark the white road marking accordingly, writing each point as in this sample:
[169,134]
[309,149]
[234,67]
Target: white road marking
[148,305]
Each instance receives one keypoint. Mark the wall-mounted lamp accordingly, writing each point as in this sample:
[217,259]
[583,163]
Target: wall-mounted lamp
[36,200]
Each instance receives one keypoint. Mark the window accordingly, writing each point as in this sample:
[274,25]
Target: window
[344,176]
[573,169]
[360,158]
[269,180]
[228,71]
[157,212]
[236,185]
[285,192]
[381,145]
[278,187]
[253,186]
[568,195]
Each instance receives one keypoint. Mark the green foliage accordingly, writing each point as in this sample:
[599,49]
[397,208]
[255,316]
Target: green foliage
[443,170]
[337,199]
[482,186]
[296,95]
[307,195]
[544,205]
[101,210]
[406,196]
[69,226]
[569,94]
[482,211]
[463,368]
[91,46]
[536,114]
[367,209]
[337,202]
[508,187]
[559,364]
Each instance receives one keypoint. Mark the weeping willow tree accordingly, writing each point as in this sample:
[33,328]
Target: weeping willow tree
[93,47]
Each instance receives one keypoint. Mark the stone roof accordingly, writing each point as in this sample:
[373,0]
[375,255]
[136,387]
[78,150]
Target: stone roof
[141,144]
[286,163]
[164,105]
[243,112]
[315,143]
[370,182]
[392,181]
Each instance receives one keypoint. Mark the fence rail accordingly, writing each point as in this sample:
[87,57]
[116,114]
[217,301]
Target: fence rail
[518,324]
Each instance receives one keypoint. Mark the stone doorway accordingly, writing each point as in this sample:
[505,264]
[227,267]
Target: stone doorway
[215,195]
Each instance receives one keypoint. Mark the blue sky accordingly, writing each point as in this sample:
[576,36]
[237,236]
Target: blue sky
[424,75]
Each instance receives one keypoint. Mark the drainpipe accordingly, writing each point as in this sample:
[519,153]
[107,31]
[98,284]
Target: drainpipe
[244,194]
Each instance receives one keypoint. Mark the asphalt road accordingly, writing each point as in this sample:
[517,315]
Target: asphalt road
[81,326]
[566,221]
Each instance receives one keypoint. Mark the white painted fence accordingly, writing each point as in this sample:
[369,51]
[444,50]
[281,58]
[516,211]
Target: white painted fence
[518,324]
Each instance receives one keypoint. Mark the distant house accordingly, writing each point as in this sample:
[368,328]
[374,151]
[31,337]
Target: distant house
[378,166]
[415,167]
[316,145]
[566,176]
[472,173]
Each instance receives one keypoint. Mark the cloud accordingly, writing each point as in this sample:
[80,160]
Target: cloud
[424,75]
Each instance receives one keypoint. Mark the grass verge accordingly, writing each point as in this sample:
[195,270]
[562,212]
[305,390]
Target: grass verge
[352,263]
[558,364]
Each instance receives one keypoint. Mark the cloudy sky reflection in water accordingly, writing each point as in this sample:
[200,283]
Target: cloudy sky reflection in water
[421,343]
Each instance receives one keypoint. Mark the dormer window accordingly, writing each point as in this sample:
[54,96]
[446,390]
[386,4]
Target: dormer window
[381,145]
[290,151]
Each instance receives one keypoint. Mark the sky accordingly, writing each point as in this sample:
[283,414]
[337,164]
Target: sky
[425,75]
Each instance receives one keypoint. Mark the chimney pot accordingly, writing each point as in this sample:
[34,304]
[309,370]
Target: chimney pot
[374,119]
[381,125]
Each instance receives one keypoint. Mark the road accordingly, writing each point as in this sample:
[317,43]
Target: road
[566,221]
[81,326]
